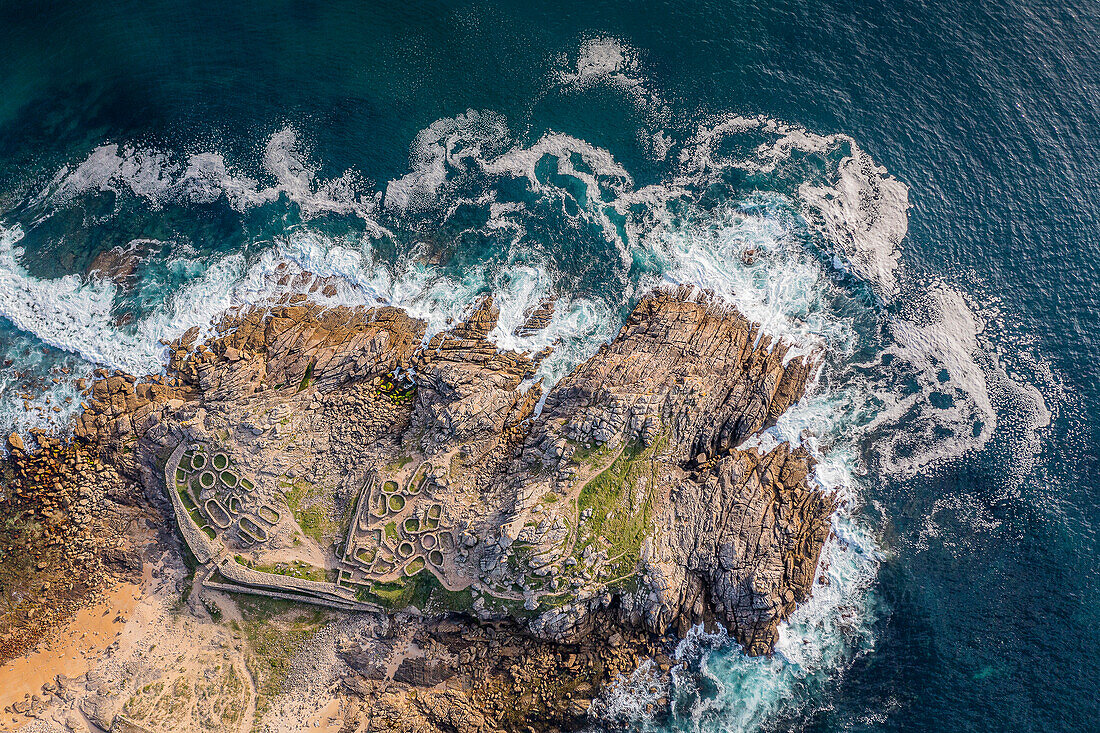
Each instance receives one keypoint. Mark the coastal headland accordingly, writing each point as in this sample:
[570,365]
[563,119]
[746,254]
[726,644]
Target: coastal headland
[458,545]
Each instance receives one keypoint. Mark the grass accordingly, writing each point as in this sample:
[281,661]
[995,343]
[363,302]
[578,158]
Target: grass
[305,501]
[276,631]
[592,456]
[293,569]
[621,514]
[398,464]
[391,531]
[307,377]
[512,607]
[422,591]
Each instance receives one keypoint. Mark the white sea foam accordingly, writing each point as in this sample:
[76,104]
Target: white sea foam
[599,57]
[161,178]
[774,256]
[864,215]
[604,61]
[633,698]
[754,261]
[861,210]
[478,144]
[940,349]
[441,150]
[38,389]
[76,314]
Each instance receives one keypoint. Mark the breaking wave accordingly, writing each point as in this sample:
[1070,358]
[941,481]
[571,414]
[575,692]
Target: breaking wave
[802,232]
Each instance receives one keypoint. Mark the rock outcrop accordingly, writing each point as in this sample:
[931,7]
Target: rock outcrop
[711,531]
[623,498]
[63,537]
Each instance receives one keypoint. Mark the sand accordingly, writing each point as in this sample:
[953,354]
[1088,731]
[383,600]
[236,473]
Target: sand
[71,651]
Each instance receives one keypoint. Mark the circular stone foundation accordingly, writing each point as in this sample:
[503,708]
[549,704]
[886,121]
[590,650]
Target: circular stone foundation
[428,542]
[435,557]
[396,503]
[405,549]
[207,479]
[198,462]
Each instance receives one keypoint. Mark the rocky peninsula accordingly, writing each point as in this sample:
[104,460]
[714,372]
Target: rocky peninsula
[468,548]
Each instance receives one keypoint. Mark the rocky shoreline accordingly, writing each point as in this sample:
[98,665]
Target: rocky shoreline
[509,551]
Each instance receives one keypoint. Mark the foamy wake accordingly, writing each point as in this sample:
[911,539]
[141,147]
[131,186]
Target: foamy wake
[815,261]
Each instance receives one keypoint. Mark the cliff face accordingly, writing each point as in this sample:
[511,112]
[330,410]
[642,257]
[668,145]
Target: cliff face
[734,534]
[625,492]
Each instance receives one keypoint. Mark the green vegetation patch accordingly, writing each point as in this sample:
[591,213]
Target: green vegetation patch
[399,391]
[307,377]
[276,631]
[621,499]
[399,464]
[306,502]
[592,456]
[293,569]
[422,591]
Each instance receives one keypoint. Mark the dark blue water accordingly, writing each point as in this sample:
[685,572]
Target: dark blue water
[972,602]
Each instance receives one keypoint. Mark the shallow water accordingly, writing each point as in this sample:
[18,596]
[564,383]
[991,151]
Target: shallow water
[908,190]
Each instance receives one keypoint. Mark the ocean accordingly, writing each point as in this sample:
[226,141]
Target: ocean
[908,190]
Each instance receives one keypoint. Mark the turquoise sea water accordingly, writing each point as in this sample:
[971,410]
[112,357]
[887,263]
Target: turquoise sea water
[917,184]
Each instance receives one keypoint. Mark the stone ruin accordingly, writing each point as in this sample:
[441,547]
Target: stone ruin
[398,531]
[225,505]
